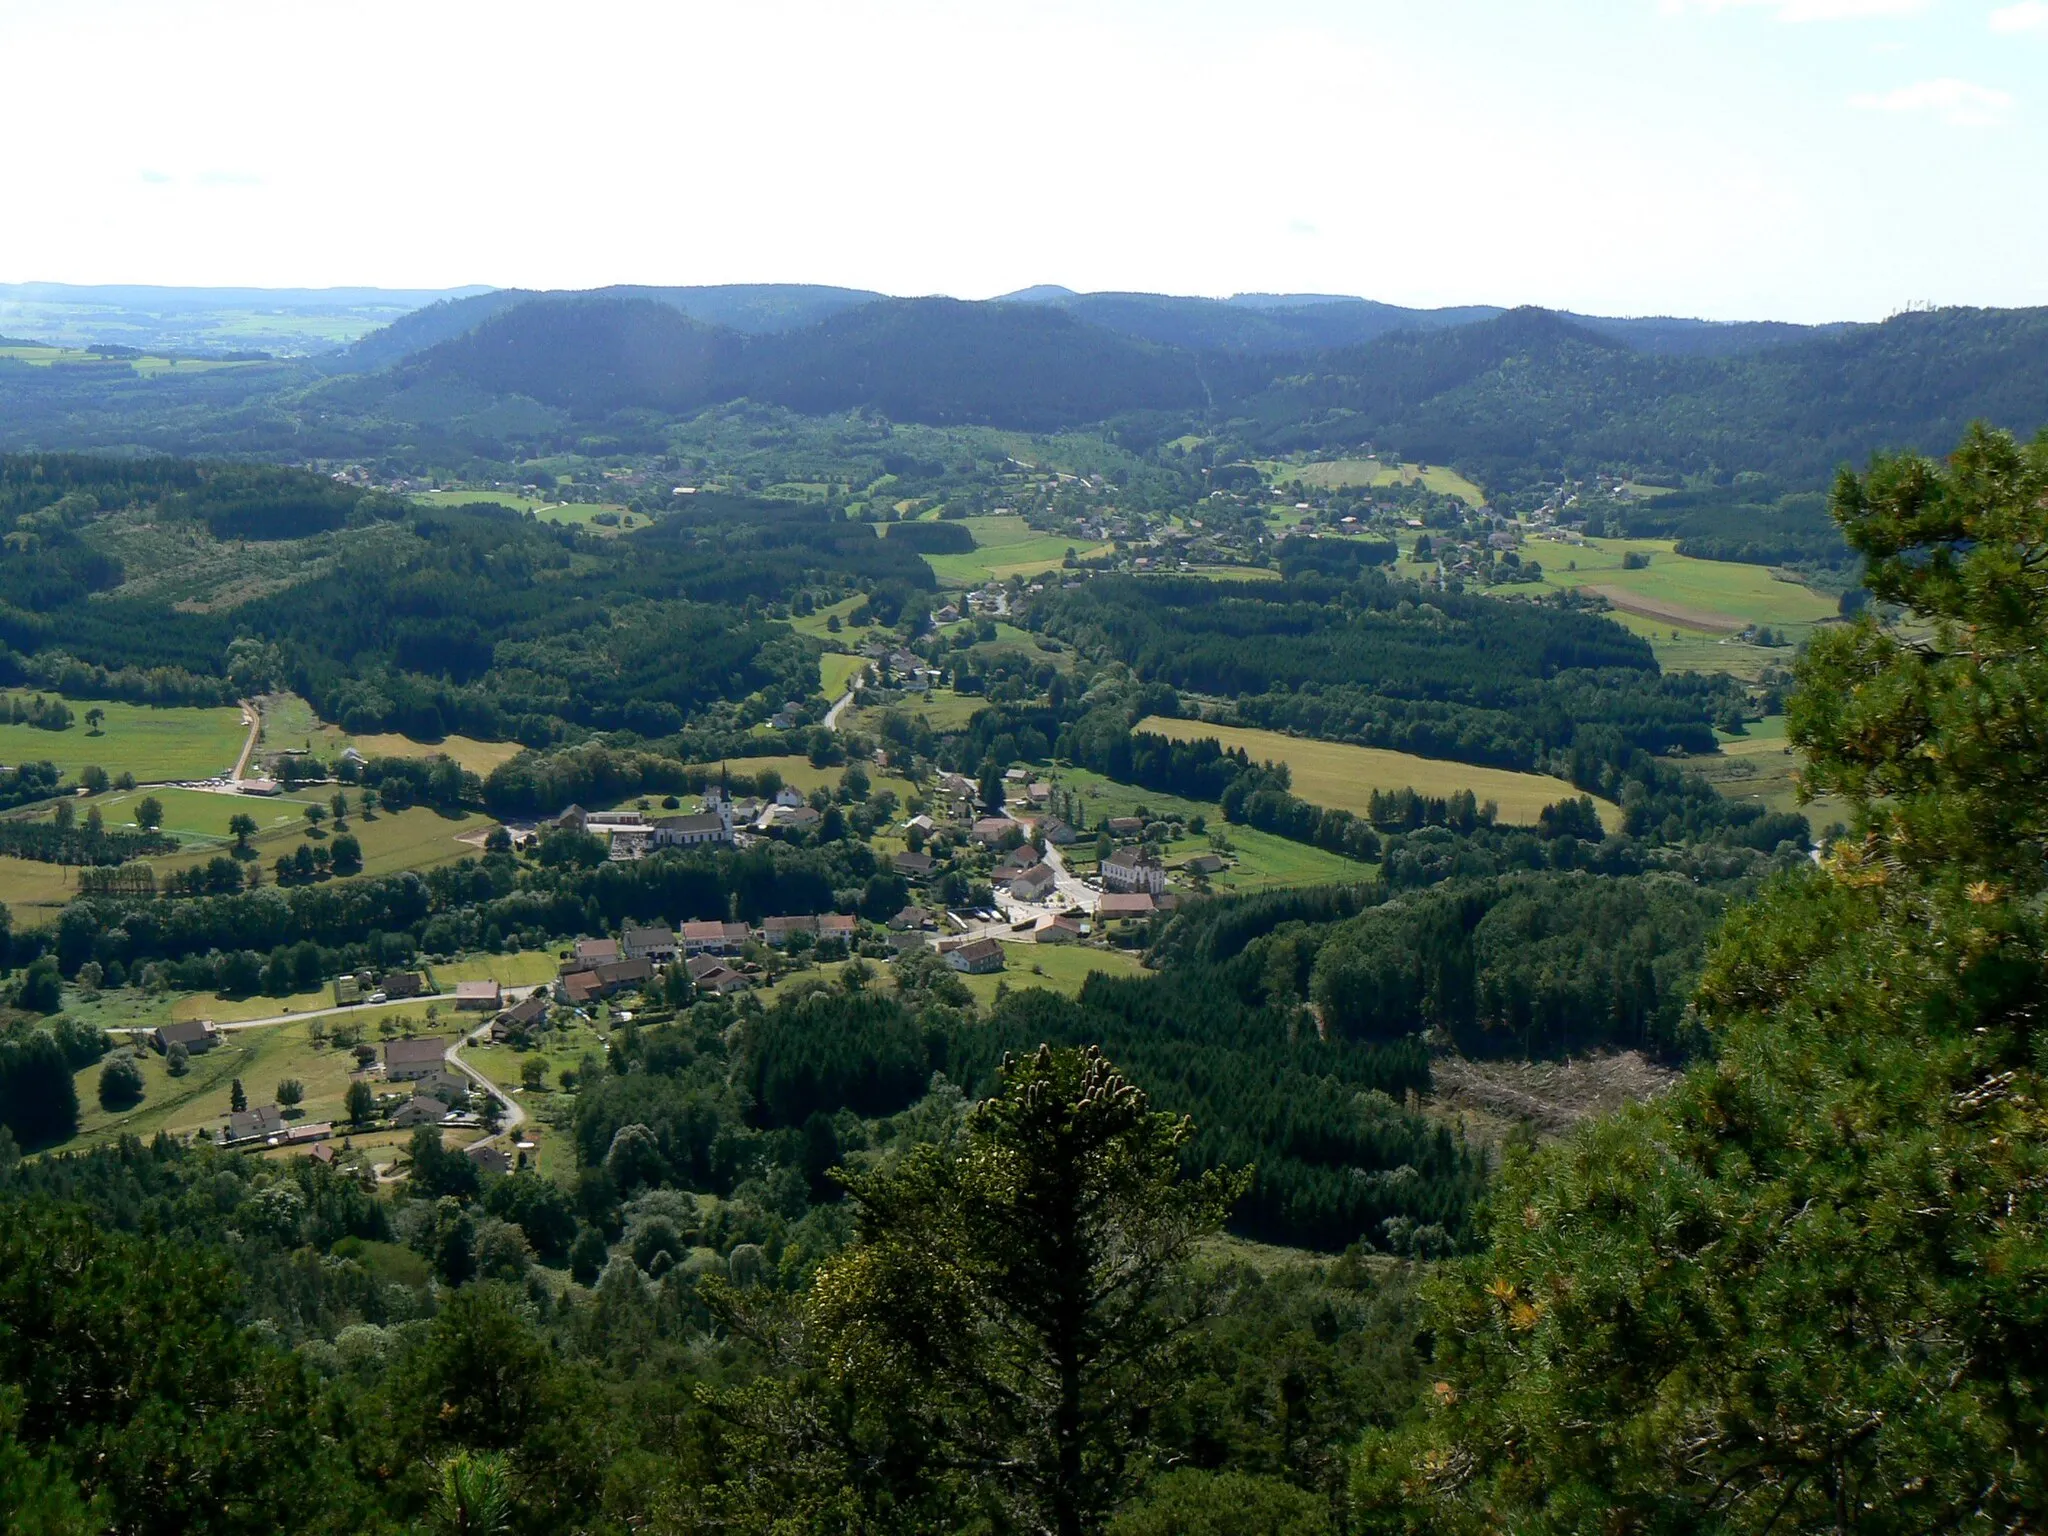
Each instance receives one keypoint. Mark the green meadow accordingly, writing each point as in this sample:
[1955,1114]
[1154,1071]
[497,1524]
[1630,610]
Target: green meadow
[1004,547]
[153,744]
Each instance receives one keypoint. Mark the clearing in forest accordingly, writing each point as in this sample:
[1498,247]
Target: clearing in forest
[1005,547]
[156,745]
[1338,775]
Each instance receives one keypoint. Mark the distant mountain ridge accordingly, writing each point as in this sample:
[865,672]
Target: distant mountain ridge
[1501,395]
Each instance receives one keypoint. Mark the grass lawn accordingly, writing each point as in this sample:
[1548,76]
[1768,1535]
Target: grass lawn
[1709,597]
[836,670]
[1363,474]
[818,625]
[1263,861]
[1060,968]
[944,711]
[1342,776]
[1006,547]
[153,744]
[261,1058]
[289,721]
[562,1048]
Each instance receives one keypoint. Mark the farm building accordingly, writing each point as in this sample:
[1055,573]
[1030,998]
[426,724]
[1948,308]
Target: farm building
[977,958]
[479,996]
[406,1061]
[195,1035]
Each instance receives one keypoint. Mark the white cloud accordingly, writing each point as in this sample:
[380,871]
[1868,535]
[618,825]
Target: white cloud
[1810,10]
[2026,16]
[1960,102]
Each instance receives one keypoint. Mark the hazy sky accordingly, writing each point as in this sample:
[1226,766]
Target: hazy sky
[1802,159]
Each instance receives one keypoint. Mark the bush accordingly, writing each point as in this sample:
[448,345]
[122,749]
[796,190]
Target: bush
[120,1084]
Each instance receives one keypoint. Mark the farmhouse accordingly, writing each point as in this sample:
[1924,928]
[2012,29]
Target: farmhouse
[195,1035]
[1133,869]
[1204,864]
[713,938]
[1126,826]
[419,1110]
[408,1060]
[248,1126]
[716,978]
[1034,884]
[1057,929]
[916,866]
[479,996]
[836,925]
[991,830]
[489,1158]
[397,984]
[778,931]
[656,944]
[589,952]
[521,1016]
[977,958]
[1057,832]
[1137,904]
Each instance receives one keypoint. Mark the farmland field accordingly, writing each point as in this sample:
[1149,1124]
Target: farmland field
[799,772]
[1363,474]
[1707,597]
[156,745]
[1005,547]
[479,757]
[1342,776]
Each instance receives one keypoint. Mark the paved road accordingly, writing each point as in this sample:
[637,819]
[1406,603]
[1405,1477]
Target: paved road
[1081,896]
[512,995]
[515,1116]
[832,714]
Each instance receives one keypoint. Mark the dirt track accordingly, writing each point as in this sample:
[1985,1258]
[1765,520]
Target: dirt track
[1670,613]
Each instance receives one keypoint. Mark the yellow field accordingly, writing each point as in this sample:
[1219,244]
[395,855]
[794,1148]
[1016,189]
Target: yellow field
[1342,776]
[478,757]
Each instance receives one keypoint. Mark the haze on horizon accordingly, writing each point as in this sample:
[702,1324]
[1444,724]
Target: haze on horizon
[1732,159]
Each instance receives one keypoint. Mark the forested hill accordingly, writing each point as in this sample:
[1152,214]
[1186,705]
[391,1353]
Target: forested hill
[1536,389]
[1523,391]
[933,360]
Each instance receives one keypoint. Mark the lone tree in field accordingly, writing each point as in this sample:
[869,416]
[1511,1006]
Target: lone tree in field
[315,814]
[291,1093]
[149,815]
[238,1097]
[120,1084]
[94,718]
[241,827]
[339,805]
[1015,1299]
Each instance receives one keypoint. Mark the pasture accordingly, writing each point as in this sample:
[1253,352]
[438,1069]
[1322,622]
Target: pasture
[1674,591]
[1364,474]
[198,1101]
[156,745]
[836,669]
[1004,547]
[478,757]
[1761,765]
[799,772]
[1342,776]
[1060,968]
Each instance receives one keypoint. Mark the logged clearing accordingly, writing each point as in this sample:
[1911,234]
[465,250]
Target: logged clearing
[1489,1098]
[1342,776]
